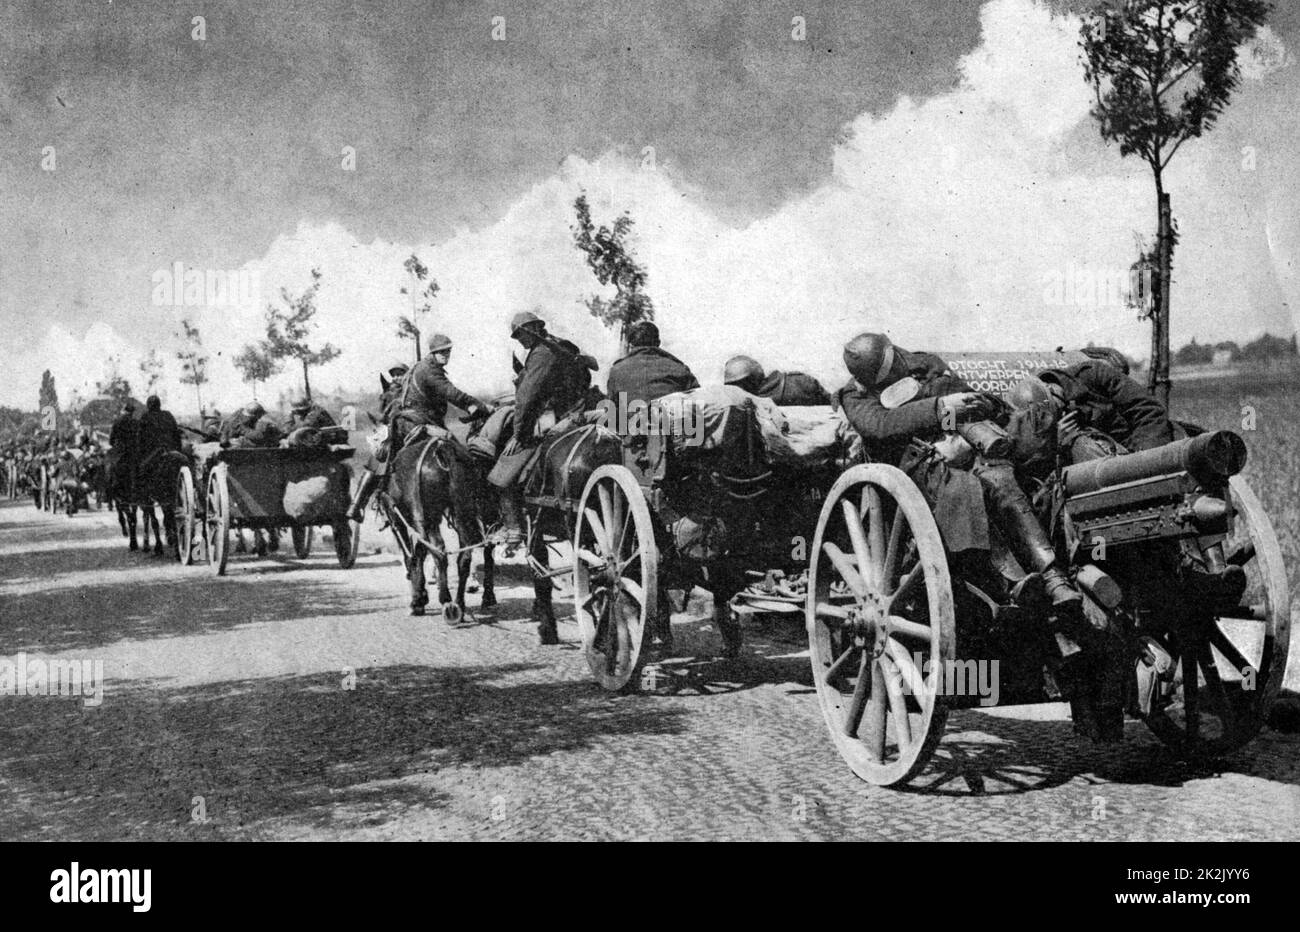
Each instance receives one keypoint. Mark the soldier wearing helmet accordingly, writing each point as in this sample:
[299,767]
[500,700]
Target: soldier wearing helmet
[303,412]
[416,400]
[783,388]
[909,432]
[251,426]
[1084,411]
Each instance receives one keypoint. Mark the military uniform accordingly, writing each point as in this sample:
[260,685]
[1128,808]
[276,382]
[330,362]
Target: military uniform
[792,389]
[955,496]
[426,393]
[314,417]
[647,373]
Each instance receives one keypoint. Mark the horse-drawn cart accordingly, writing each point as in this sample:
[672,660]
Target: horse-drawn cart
[264,489]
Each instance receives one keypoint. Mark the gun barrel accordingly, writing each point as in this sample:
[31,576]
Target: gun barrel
[1208,457]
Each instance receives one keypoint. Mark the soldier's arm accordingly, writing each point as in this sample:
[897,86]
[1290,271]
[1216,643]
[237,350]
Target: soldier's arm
[811,389]
[1146,415]
[436,384]
[874,421]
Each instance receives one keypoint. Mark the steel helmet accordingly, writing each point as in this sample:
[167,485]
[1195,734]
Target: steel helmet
[439,342]
[254,409]
[300,403]
[1108,355]
[525,319]
[740,369]
[870,358]
[1028,391]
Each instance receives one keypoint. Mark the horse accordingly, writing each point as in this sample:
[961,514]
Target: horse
[155,484]
[434,481]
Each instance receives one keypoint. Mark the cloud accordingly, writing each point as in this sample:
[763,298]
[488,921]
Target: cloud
[946,223]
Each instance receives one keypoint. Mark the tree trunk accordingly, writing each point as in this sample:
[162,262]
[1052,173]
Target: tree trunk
[1159,380]
[306,381]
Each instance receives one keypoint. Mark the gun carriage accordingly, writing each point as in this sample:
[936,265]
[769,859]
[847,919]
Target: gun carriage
[1183,582]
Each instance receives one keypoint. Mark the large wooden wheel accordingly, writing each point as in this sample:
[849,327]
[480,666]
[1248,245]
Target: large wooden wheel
[347,541]
[185,515]
[1231,659]
[302,538]
[881,630]
[217,520]
[615,575]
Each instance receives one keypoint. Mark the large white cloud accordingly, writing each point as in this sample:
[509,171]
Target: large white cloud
[944,224]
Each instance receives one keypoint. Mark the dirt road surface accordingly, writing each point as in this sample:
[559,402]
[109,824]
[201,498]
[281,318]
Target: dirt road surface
[294,700]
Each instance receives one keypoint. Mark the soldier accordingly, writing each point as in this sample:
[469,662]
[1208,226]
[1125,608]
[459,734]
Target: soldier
[648,372]
[958,498]
[783,388]
[419,401]
[251,427]
[159,432]
[304,412]
[1088,409]
[555,377]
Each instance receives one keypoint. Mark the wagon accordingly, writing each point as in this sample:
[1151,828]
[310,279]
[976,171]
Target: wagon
[1180,568]
[264,489]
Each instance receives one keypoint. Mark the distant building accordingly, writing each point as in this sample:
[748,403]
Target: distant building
[1221,358]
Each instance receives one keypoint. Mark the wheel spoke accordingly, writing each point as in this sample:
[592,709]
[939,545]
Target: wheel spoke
[893,551]
[1229,650]
[1214,684]
[861,550]
[858,704]
[837,667]
[846,569]
[897,705]
[877,711]
[911,628]
[598,528]
[609,516]
[1256,611]
[911,675]
[838,613]
[915,577]
[875,513]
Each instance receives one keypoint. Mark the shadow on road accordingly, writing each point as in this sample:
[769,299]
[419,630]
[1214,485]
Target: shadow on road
[97,615]
[302,749]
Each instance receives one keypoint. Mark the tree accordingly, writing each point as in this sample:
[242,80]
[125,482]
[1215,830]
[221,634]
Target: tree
[1194,354]
[610,258]
[1162,72]
[48,395]
[256,364]
[422,295]
[194,362]
[151,368]
[288,328]
[115,388]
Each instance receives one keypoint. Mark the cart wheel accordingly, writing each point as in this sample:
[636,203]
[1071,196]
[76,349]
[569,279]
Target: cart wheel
[185,521]
[347,540]
[1230,664]
[217,519]
[615,575]
[880,623]
[302,537]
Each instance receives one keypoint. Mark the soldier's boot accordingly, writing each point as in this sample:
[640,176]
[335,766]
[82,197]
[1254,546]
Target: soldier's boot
[1028,541]
[366,488]
[511,532]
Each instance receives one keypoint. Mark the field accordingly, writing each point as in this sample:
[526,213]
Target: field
[1270,404]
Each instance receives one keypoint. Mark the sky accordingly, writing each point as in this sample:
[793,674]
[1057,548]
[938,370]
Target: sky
[924,167]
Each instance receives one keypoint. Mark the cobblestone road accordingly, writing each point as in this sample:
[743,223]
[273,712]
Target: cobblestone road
[227,715]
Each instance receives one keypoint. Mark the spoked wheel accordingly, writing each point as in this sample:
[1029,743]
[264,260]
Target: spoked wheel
[217,520]
[185,516]
[615,575]
[1232,659]
[880,623]
[302,537]
[347,541]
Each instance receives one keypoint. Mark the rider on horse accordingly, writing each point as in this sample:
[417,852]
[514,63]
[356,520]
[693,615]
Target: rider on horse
[419,408]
